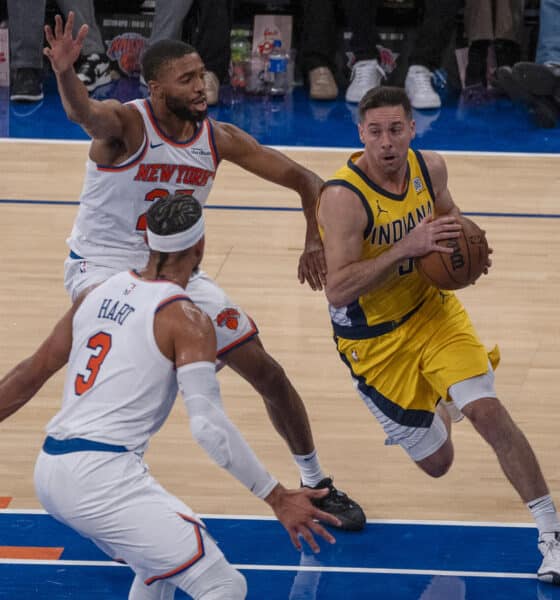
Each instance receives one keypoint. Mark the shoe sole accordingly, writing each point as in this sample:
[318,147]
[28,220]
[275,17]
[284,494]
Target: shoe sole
[26,97]
[539,79]
[432,106]
[103,80]
[546,113]
[323,97]
[549,577]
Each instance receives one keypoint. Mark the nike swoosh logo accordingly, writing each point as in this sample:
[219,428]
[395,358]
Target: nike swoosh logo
[156,145]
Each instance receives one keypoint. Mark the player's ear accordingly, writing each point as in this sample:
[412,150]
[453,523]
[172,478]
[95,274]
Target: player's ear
[361,133]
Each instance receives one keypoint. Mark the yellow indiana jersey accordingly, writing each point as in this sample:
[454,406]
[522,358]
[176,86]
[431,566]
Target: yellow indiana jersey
[390,217]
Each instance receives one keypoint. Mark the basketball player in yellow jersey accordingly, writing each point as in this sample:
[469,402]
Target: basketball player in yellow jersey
[406,343]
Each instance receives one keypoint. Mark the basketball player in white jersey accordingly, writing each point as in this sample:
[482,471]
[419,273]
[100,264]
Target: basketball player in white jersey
[130,344]
[165,144]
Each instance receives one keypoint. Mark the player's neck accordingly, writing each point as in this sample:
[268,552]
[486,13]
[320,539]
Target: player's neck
[394,182]
[178,276]
[176,128]
[173,126]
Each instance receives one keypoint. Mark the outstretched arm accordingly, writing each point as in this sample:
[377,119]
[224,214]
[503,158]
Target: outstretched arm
[188,334]
[27,378]
[242,149]
[101,120]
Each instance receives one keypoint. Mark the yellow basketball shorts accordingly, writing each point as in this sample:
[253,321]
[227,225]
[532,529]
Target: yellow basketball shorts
[402,374]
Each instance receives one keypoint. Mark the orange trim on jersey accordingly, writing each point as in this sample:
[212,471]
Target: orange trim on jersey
[212,143]
[31,552]
[199,553]
[166,138]
[126,166]
[171,299]
[5,501]
[241,340]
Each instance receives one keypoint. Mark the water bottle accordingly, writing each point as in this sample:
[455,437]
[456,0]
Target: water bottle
[240,54]
[277,70]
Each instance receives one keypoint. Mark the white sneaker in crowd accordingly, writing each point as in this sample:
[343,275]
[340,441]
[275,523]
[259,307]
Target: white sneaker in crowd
[549,545]
[94,70]
[366,74]
[418,87]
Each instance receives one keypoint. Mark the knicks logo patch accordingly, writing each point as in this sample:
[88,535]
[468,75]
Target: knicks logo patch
[229,317]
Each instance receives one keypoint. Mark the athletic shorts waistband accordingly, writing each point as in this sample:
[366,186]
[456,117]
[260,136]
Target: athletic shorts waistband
[53,446]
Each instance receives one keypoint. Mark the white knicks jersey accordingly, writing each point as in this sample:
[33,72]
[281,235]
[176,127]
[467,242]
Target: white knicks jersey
[119,387]
[110,225]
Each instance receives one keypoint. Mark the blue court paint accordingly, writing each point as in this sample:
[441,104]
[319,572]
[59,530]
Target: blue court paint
[494,562]
[295,120]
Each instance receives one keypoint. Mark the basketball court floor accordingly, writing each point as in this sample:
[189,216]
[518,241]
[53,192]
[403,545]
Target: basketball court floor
[463,537]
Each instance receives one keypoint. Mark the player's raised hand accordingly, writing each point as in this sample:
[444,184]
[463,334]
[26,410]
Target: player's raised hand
[64,49]
[294,510]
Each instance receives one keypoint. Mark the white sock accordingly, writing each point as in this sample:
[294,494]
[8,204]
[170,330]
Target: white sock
[544,513]
[309,468]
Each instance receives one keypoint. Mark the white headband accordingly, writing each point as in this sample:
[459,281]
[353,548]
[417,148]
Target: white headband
[177,241]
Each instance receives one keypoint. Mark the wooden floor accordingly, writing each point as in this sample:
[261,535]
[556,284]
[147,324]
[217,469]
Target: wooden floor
[253,255]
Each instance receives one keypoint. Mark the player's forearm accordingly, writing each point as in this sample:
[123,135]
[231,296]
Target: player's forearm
[215,433]
[308,185]
[75,97]
[352,281]
[17,388]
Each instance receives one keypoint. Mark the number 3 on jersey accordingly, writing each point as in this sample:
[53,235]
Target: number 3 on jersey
[100,343]
[151,196]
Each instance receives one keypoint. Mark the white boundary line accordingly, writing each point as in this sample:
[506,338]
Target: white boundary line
[40,511]
[292,568]
[314,148]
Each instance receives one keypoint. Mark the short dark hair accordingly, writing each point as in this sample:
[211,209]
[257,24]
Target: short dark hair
[160,53]
[384,96]
[173,214]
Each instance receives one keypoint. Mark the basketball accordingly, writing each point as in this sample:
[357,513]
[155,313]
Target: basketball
[461,268]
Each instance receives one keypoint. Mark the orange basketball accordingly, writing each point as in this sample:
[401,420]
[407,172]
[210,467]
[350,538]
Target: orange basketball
[461,268]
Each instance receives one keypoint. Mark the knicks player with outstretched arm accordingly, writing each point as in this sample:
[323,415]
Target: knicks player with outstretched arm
[406,343]
[130,345]
[166,144]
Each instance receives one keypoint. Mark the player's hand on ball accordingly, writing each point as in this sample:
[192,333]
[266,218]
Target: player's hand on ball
[299,516]
[425,237]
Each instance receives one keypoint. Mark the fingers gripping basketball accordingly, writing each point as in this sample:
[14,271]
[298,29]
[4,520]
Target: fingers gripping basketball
[463,266]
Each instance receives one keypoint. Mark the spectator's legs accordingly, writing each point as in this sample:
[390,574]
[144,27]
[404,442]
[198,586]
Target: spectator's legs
[509,20]
[548,48]
[27,18]
[361,18]
[435,32]
[366,72]
[168,19]
[94,68]
[432,37]
[212,39]
[318,45]
[480,31]
[85,13]
[318,48]
[479,20]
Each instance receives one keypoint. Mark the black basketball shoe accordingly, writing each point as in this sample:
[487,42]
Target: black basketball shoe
[337,503]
